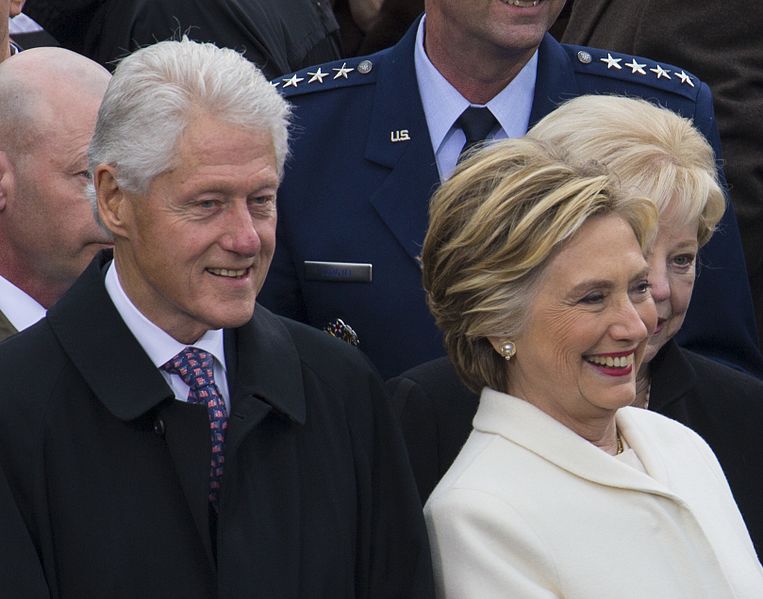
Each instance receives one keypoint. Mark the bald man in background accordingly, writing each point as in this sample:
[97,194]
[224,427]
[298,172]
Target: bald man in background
[49,99]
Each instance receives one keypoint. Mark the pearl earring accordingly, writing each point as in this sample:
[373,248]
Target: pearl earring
[508,349]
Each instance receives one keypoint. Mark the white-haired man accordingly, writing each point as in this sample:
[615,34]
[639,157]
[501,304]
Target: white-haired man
[186,444]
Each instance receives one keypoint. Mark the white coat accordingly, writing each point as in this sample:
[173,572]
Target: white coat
[531,510]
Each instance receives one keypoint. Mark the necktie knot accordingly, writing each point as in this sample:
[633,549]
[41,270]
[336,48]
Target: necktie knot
[194,366]
[476,122]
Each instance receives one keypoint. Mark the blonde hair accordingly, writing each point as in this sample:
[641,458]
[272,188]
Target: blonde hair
[493,228]
[654,150]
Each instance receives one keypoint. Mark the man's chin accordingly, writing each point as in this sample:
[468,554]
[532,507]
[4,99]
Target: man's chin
[233,319]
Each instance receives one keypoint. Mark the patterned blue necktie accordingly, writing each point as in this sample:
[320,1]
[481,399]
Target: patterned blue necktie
[195,367]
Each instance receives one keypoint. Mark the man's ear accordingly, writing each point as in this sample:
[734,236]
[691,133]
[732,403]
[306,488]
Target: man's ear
[6,179]
[113,203]
[15,7]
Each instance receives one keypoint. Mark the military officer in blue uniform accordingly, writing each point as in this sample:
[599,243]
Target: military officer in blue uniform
[375,135]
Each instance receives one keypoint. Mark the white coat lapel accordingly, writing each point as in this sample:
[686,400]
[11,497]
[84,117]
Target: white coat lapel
[522,423]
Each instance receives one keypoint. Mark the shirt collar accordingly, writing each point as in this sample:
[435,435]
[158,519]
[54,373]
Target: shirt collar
[158,345]
[19,308]
[443,104]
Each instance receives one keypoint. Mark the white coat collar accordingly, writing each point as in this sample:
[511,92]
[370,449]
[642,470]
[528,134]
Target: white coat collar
[526,425]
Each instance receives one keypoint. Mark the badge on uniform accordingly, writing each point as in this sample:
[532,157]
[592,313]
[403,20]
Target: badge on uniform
[342,331]
[338,272]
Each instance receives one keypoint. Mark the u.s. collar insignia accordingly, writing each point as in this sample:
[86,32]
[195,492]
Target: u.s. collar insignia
[399,135]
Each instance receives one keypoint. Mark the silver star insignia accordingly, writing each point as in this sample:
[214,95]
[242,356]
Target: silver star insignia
[342,71]
[317,76]
[612,63]
[292,81]
[660,72]
[685,79]
[636,67]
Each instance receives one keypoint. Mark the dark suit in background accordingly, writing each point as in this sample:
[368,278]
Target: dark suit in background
[110,472]
[6,328]
[721,404]
[720,41]
[277,35]
[362,169]
[20,573]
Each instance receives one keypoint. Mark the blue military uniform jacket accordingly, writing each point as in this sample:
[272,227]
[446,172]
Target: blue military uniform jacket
[362,169]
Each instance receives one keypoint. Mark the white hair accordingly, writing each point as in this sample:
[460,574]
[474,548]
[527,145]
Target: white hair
[153,95]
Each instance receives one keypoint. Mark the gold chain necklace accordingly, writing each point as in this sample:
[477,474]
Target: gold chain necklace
[620,448]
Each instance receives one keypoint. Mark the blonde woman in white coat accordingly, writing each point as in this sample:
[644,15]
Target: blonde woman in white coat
[535,271]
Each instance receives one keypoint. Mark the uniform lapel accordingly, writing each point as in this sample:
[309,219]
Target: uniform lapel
[555,81]
[399,141]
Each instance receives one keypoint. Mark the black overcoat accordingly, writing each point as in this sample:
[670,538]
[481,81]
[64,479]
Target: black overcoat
[109,472]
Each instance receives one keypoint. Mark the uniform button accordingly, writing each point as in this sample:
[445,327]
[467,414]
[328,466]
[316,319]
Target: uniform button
[365,67]
[159,427]
[584,57]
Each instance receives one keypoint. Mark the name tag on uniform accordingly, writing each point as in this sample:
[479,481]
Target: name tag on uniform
[338,272]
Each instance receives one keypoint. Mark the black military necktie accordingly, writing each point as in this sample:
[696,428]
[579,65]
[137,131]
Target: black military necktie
[476,122]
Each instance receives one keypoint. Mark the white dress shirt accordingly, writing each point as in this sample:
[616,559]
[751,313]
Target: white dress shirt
[19,308]
[443,104]
[160,346]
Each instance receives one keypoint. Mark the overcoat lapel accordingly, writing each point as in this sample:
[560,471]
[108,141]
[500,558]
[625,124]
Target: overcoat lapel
[268,408]
[262,367]
[6,328]
[670,384]
[123,378]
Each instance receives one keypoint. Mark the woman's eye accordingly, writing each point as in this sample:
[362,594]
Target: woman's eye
[683,260]
[592,298]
